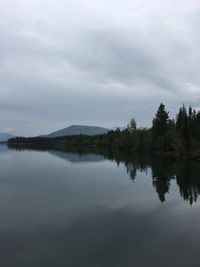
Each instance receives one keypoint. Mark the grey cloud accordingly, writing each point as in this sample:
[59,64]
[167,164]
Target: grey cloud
[96,62]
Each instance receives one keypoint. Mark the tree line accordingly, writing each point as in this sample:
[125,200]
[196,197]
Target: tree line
[177,137]
[181,134]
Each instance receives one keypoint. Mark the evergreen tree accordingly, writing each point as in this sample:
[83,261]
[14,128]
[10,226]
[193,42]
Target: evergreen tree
[160,122]
[183,127]
[132,127]
[181,120]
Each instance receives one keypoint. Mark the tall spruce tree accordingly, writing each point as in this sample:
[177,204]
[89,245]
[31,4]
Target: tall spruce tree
[160,122]
[182,121]
[183,126]
[132,126]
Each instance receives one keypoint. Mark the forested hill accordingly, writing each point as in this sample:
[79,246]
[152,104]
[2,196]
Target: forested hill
[78,129]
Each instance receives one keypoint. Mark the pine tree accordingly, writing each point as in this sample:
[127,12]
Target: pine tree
[160,122]
[183,126]
[132,126]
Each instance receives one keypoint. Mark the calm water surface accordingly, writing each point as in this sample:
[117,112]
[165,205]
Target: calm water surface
[65,209]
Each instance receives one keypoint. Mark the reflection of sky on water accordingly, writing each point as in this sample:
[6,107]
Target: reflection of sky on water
[56,213]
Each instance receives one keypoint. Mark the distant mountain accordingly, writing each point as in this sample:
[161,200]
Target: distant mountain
[79,129]
[5,136]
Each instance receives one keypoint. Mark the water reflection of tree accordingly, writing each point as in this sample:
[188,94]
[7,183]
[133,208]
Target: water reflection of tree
[163,171]
[186,173]
[135,163]
[131,170]
[162,174]
[188,180]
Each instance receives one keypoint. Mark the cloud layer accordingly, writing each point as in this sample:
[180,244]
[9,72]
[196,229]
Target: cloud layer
[95,62]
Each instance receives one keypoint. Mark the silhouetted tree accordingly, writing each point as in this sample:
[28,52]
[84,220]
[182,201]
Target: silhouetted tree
[132,126]
[182,127]
[160,122]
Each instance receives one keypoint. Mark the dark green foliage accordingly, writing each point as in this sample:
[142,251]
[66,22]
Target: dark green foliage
[174,138]
[132,126]
[160,122]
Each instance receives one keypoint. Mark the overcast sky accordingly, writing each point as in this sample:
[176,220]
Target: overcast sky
[95,62]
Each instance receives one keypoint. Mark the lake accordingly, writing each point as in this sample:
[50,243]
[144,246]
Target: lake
[75,209]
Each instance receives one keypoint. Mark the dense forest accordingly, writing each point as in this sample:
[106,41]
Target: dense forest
[179,137]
